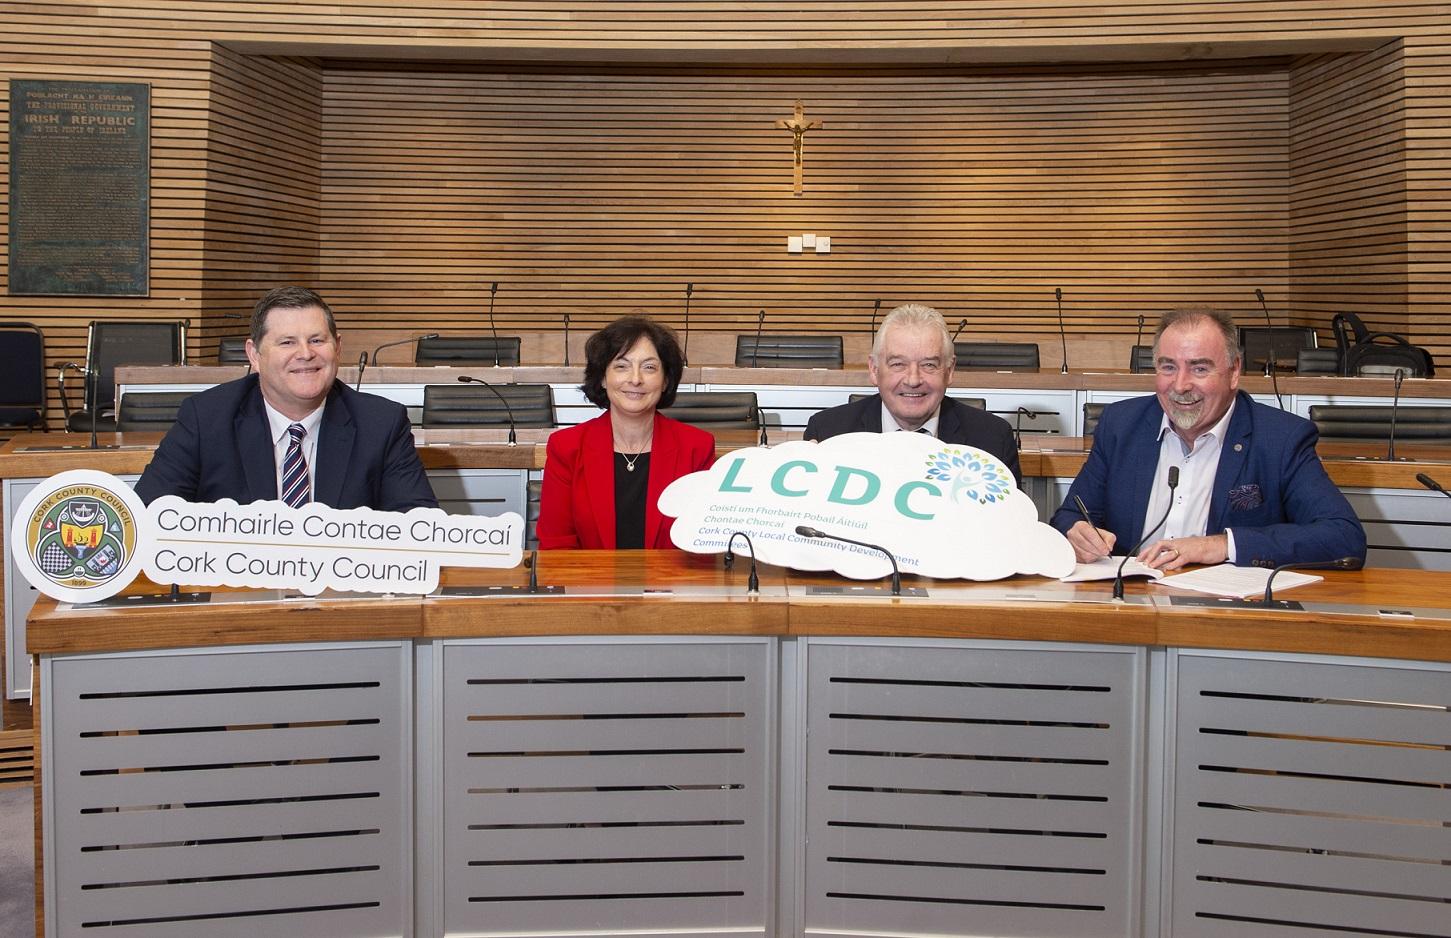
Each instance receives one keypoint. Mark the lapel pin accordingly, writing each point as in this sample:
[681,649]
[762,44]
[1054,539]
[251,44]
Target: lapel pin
[1238,447]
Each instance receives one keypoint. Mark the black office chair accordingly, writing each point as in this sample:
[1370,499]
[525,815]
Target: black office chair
[788,351]
[716,410]
[997,356]
[1317,361]
[474,405]
[232,350]
[110,343]
[22,379]
[1373,422]
[979,402]
[149,410]
[467,350]
[1092,410]
[1282,343]
[1141,360]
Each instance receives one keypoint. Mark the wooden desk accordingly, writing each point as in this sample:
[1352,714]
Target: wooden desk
[654,749]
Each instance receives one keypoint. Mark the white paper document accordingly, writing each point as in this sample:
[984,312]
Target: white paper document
[1238,582]
[1106,568]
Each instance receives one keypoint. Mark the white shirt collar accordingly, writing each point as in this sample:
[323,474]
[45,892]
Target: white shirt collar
[1216,431]
[890,425]
[278,423]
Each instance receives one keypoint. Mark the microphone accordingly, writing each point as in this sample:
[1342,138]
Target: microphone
[1271,371]
[805,531]
[685,349]
[753,582]
[1139,336]
[961,325]
[1431,484]
[468,379]
[1062,332]
[756,352]
[1018,424]
[566,339]
[374,359]
[1342,563]
[1395,406]
[1118,580]
[876,308]
[93,379]
[761,419]
[534,571]
[362,366]
[493,290]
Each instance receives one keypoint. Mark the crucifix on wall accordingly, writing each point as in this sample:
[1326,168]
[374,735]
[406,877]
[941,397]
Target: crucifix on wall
[798,126]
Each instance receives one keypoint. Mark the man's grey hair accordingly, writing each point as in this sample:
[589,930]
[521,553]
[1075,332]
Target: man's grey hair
[1192,316]
[915,314]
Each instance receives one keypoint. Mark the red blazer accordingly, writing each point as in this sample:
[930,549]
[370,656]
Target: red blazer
[577,504]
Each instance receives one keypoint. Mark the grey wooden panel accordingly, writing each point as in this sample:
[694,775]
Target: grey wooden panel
[1311,797]
[967,788]
[235,792]
[614,787]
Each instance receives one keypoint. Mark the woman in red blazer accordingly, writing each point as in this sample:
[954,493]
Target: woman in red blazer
[603,478]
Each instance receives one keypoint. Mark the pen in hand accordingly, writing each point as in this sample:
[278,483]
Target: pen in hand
[1083,510]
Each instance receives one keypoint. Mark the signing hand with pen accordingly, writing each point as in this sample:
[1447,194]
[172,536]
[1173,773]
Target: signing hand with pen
[1089,543]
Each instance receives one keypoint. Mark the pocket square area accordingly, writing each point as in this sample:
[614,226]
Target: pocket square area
[1245,497]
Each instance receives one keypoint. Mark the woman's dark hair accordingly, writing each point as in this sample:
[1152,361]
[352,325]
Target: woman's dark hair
[615,340]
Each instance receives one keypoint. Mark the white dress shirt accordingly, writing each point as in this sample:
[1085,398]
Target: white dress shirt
[1198,465]
[281,440]
[890,425]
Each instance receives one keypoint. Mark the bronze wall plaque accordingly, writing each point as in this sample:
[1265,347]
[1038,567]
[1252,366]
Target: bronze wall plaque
[80,188]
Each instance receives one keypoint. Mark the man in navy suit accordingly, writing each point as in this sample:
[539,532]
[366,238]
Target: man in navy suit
[1251,489]
[911,365]
[291,427]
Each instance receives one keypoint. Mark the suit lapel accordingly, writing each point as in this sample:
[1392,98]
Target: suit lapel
[1233,453]
[1146,463]
[597,451]
[663,454]
[334,450]
[872,414]
[256,448]
[949,427]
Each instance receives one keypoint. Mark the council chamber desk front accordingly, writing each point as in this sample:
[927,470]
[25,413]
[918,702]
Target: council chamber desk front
[643,747]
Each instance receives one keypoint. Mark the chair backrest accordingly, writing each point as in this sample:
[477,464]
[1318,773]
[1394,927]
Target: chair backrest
[473,405]
[1141,360]
[22,379]
[1373,422]
[788,351]
[467,350]
[232,350]
[718,410]
[149,410]
[1092,410]
[979,402]
[1317,361]
[997,356]
[1258,343]
[110,343]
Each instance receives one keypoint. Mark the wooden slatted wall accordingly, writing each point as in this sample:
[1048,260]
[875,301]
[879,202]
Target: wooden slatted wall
[913,173]
[977,190]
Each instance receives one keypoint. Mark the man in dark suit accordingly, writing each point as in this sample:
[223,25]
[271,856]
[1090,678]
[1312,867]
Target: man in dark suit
[291,427]
[911,365]
[1251,488]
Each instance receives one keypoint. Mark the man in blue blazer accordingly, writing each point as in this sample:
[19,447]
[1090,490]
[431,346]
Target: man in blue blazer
[911,365]
[291,427]
[1251,491]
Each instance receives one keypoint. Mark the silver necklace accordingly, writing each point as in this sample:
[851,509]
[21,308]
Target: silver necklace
[631,460]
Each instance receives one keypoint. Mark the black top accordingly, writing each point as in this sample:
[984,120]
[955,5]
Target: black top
[630,490]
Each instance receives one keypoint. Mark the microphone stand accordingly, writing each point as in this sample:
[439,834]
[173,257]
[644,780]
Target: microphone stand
[1271,371]
[1395,407]
[566,339]
[876,308]
[756,352]
[961,325]
[374,359]
[1118,580]
[1431,484]
[1018,424]
[468,379]
[1062,331]
[1342,563]
[93,379]
[805,531]
[685,349]
[493,291]
[753,582]
[362,366]
[761,420]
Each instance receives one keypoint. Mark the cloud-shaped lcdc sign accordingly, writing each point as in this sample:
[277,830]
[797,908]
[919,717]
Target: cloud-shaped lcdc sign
[945,511]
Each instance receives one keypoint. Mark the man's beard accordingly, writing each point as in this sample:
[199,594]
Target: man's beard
[1185,419]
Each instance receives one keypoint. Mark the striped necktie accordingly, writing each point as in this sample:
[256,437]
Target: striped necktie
[296,488]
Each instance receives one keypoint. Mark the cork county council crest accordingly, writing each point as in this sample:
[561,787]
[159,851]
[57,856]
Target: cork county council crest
[77,536]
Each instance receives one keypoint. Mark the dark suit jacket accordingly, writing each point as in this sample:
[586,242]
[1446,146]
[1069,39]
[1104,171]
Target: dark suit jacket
[1270,487]
[221,447]
[577,503]
[956,423]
